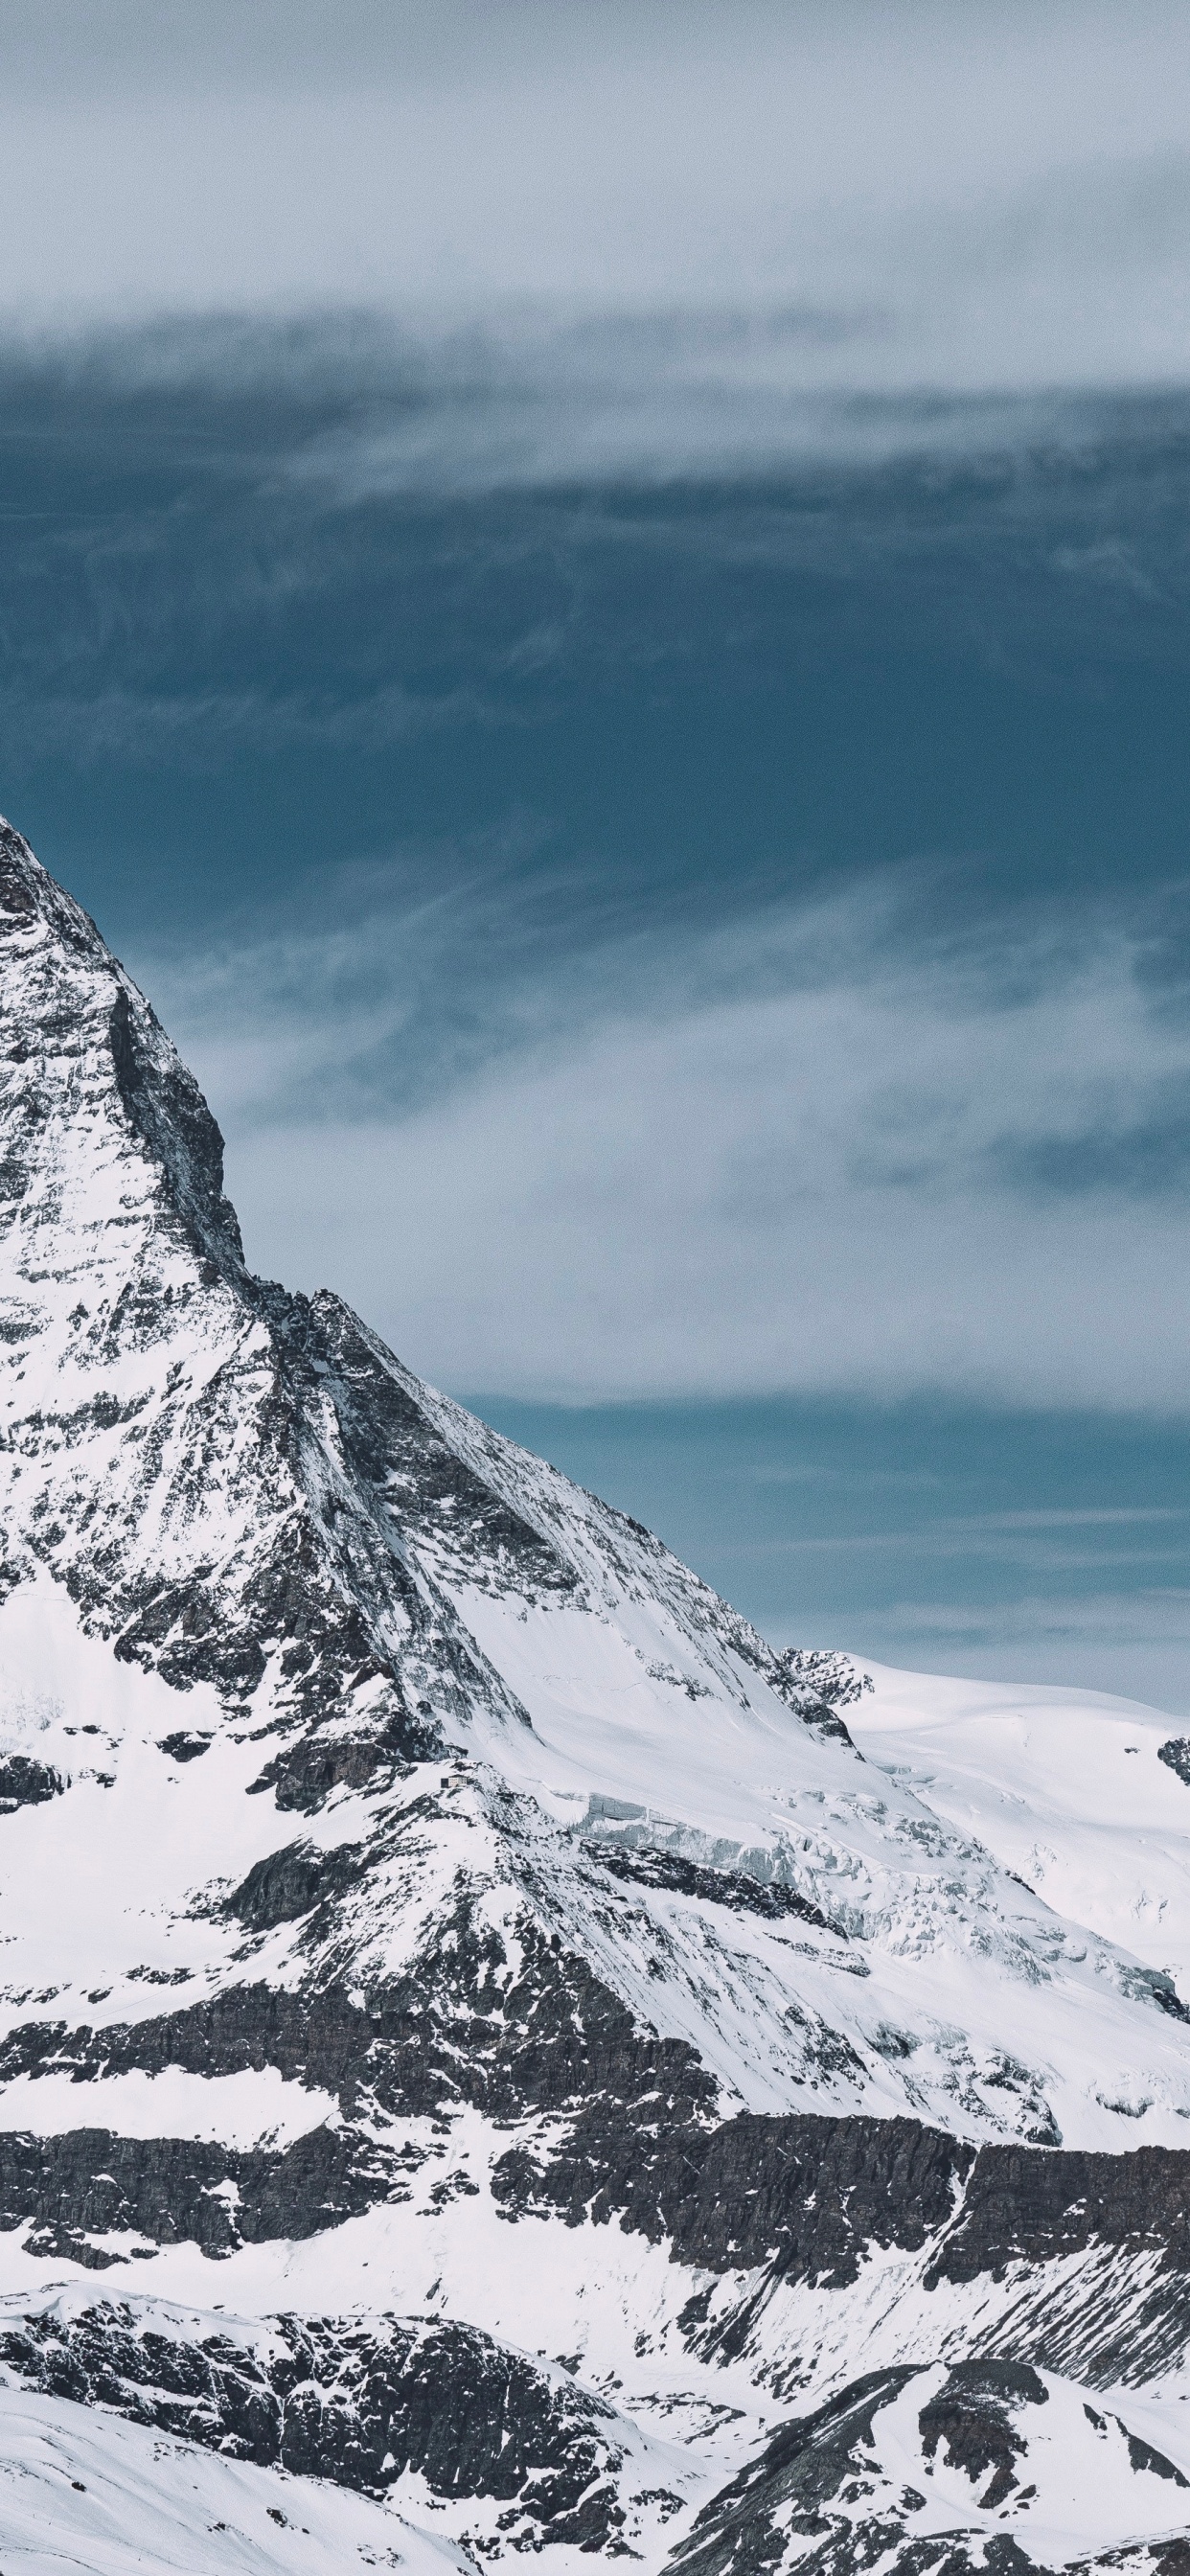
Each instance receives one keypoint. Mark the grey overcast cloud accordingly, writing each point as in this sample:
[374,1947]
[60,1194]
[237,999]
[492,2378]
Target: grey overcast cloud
[596,601]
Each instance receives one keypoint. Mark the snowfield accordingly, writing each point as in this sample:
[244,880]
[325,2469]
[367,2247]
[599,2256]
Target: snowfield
[80,2489]
[1067,1788]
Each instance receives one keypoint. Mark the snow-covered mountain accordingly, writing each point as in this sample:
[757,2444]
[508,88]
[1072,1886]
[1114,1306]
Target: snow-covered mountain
[478,2026]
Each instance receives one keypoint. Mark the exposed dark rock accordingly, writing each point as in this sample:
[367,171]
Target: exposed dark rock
[827,1725]
[807,2195]
[190,1632]
[788,2491]
[828,1679]
[320,2037]
[1176,1756]
[818,2498]
[456,2029]
[817,1684]
[17,899]
[73,2192]
[420,1483]
[26,1783]
[307,1770]
[165,1104]
[1165,1994]
[290,1883]
[812,2195]
[1142,2457]
[734,1888]
[801,2198]
[972,2417]
[359,2402]
[1026,2203]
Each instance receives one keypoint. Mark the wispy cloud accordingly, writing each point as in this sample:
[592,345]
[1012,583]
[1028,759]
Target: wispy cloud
[207,558]
[1134,1643]
[804,1154]
[199,729]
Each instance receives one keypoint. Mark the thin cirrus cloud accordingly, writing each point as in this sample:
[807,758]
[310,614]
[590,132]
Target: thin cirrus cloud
[198,728]
[860,1169]
[1134,1642]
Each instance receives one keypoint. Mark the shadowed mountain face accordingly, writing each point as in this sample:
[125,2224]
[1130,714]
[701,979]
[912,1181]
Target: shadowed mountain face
[479,2027]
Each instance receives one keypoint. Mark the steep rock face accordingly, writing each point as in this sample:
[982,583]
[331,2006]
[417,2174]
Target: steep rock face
[914,2471]
[170,1453]
[369,2406]
[563,2036]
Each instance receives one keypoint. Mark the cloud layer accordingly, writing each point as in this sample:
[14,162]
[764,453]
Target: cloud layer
[632,238]
[819,1152]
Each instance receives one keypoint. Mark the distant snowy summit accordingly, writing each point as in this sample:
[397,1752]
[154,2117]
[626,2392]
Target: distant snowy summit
[514,2045]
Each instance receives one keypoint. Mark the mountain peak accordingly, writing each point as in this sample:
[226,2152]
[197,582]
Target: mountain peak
[27,889]
[434,1918]
[83,1042]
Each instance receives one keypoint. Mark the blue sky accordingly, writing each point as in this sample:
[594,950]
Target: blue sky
[596,602]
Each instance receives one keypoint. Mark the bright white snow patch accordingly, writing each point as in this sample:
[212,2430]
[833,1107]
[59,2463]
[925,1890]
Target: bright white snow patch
[1064,1786]
[257,2107]
[80,2488]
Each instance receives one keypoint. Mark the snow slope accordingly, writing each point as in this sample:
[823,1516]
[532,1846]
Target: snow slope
[940,2468]
[1067,1788]
[81,2489]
